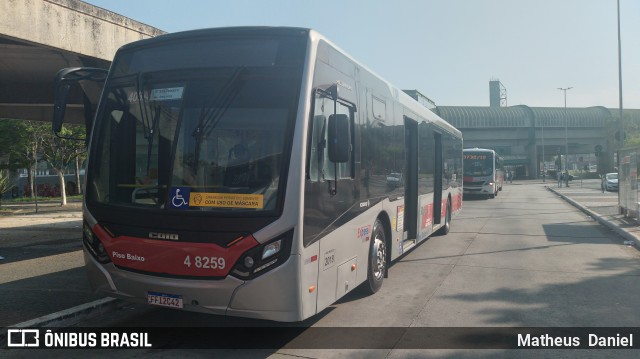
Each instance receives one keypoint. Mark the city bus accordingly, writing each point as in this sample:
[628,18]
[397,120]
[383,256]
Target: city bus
[483,172]
[243,172]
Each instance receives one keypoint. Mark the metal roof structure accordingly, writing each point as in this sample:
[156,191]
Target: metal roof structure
[458,115]
[525,116]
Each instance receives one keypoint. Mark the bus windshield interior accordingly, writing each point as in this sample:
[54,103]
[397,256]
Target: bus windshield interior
[197,125]
[206,139]
[478,164]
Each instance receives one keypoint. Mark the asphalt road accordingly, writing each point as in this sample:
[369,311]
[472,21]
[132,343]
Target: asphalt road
[524,259]
[41,270]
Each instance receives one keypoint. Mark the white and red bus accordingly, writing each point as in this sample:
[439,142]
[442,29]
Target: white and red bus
[243,171]
[483,172]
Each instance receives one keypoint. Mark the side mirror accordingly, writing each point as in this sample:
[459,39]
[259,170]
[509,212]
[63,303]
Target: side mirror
[339,138]
[60,106]
[90,81]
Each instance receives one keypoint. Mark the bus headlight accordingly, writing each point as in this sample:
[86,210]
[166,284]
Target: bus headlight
[271,249]
[263,258]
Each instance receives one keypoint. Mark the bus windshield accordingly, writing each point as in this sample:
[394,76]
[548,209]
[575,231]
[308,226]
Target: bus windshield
[478,164]
[205,139]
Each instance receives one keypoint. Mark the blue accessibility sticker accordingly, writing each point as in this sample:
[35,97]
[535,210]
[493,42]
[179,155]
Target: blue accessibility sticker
[180,197]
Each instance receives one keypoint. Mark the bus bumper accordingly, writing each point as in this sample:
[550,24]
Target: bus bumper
[273,295]
[487,189]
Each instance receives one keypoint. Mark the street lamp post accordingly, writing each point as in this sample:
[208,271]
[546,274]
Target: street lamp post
[544,170]
[620,123]
[566,137]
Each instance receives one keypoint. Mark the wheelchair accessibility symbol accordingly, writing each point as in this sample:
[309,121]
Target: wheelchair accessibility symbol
[180,197]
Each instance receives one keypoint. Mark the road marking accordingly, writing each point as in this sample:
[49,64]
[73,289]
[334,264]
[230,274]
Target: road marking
[73,315]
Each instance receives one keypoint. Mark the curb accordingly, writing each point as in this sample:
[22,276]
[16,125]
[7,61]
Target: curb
[71,316]
[67,317]
[601,219]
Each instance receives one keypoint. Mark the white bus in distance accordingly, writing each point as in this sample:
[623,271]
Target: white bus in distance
[483,172]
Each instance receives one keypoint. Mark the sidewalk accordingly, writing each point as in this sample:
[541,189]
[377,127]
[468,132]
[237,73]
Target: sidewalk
[603,207]
[41,262]
[21,226]
[43,207]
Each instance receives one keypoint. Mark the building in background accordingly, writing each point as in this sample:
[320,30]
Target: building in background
[518,133]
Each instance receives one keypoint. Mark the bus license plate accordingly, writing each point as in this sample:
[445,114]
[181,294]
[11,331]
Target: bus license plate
[164,300]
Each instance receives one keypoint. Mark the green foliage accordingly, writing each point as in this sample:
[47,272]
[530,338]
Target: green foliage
[631,125]
[19,141]
[61,152]
[23,143]
[22,200]
[5,183]
[14,144]
[632,130]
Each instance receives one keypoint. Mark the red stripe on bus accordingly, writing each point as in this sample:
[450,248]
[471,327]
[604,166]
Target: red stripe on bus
[173,258]
[456,203]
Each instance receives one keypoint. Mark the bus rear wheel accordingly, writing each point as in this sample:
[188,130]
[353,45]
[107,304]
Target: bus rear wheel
[377,258]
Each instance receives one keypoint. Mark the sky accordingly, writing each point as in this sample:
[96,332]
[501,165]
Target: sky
[449,50]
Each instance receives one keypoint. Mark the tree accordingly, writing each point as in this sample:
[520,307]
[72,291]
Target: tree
[60,152]
[82,155]
[632,130]
[19,142]
[5,183]
[12,142]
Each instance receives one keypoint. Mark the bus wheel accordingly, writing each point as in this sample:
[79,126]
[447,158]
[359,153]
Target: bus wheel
[447,222]
[377,258]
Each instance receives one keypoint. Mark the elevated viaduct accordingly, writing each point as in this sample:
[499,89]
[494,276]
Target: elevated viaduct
[39,37]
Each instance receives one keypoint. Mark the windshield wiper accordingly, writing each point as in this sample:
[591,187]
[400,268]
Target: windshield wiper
[212,112]
[150,116]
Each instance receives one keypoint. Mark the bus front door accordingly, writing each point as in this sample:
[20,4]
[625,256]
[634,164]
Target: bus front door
[411,183]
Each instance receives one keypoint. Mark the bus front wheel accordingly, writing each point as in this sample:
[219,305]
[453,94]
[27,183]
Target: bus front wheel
[377,258]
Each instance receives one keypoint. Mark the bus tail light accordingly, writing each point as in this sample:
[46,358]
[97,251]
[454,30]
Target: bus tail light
[263,258]
[93,244]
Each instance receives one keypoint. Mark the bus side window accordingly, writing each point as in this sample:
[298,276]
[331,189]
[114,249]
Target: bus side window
[318,145]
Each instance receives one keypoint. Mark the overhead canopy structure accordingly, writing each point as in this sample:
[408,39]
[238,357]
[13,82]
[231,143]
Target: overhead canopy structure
[40,37]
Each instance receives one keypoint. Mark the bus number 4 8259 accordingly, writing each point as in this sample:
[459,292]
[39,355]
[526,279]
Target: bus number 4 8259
[205,262]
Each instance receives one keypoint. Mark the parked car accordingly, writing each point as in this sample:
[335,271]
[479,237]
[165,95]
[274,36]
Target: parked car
[394,179]
[609,182]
